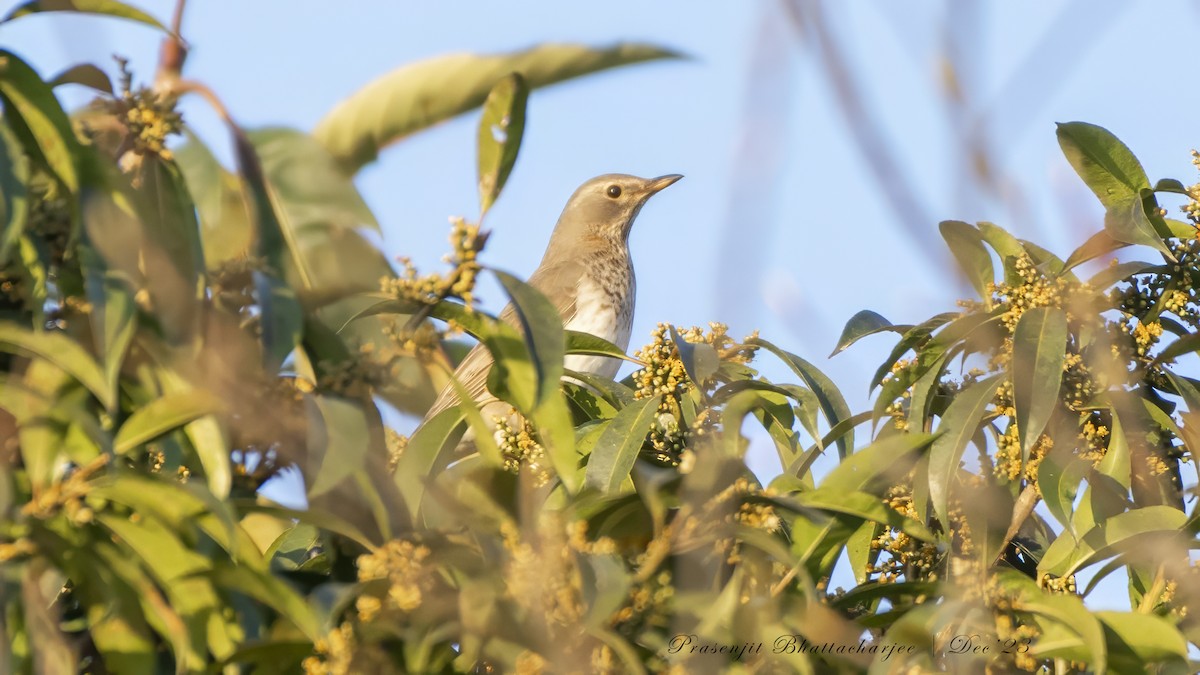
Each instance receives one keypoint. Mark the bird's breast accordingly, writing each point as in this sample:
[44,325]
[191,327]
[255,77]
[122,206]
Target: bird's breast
[607,313]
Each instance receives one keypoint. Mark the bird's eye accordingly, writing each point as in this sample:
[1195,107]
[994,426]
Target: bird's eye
[613,191]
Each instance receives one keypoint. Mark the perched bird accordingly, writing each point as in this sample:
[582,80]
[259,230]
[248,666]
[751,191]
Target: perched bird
[586,273]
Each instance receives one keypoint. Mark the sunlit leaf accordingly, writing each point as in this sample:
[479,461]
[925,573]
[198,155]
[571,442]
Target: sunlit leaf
[419,95]
[61,351]
[14,192]
[1120,532]
[500,131]
[164,415]
[617,448]
[36,117]
[100,7]
[1039,351]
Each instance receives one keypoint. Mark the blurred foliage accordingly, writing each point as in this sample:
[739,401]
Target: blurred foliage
[173,333]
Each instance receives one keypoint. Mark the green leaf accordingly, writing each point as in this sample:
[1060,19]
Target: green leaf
[1059,474]
[1144,638]
[956,429]
[311,190]
[14,192]
[1008,247]
[101,7]
[428,447]
[1097,245]
[864,506]
[1127,222]
[341,437]
[164,415]
[1069,613]
[272,592]
[542,329]
[170,252]
[1104,163]
[966,243]
[1121,532]
[586,343]
[61,351]
[281,319]
[35,115]
[700,359]
[422,94]
[1120,272]
[617,449]
[226,230]
[833,404]
[114,314]
[1039,351]
[1116,177]
[500,131]
[861,325]
[887,457]
[84,74]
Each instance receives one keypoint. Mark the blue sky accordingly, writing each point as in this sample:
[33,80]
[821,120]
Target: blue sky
[780,224]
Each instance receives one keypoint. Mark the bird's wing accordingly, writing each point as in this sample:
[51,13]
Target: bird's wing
[557,282]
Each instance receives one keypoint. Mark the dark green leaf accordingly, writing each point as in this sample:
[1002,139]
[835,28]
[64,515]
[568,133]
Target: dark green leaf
[957,427]
[14,192]
[281,319]
[114,313]
[617,448]
[833,404]
[1103,162]
[700,359]
[1039,351]
[542,329]
[272,592]
[861,325]
[419,95]
[500,131]
[34,113]
[1171,185]
[966,243]
[84,74]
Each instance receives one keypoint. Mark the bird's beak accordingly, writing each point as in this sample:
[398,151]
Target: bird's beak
[656,184]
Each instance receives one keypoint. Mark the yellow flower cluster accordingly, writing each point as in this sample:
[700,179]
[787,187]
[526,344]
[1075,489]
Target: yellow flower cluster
[541,572]
[520,449]
[466,241]
[907,557]
[1035,290]
[396,445]
[148,116]
[402,564]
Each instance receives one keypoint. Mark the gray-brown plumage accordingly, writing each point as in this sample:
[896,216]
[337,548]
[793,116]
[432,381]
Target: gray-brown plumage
[586,273]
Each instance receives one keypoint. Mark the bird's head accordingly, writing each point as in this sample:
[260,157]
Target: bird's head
[605,207]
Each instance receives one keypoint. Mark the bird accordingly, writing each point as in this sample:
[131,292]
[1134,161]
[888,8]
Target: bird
[586,273]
